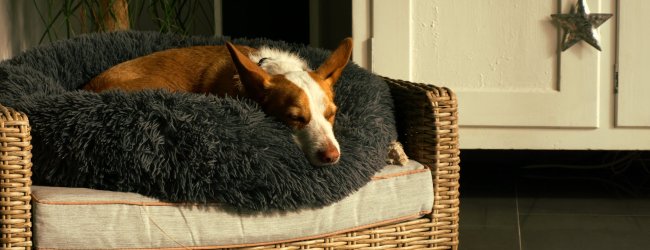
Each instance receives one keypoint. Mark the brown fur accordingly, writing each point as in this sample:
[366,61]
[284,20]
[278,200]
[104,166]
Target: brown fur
[194,69]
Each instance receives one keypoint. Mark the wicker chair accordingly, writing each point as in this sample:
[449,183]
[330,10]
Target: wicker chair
[428,128]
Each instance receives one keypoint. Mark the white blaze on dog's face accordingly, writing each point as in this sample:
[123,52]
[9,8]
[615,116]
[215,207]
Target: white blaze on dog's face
[303,99]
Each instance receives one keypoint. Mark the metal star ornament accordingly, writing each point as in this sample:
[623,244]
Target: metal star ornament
[580,25]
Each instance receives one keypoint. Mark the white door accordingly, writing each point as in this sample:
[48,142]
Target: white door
[499,56]
[633,99]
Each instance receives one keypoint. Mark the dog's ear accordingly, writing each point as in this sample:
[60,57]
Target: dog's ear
[254,78]
[331,69]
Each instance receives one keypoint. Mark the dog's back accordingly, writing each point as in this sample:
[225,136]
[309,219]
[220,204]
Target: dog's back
[198,69]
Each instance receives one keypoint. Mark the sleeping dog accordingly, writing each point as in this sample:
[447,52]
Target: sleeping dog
[279,81]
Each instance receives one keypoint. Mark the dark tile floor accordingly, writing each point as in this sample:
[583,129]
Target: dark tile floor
[530,200]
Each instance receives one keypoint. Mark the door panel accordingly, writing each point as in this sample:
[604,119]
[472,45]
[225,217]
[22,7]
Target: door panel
[633,64]
[499,56]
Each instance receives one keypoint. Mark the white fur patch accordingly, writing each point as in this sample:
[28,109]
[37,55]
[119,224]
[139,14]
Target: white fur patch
[279,61]
[318,135]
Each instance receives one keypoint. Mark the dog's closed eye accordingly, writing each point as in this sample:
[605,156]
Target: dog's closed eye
[297,118]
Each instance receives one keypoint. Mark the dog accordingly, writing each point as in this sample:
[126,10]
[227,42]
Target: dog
[279,81]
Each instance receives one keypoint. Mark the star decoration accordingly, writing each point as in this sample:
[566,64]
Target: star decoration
[580,25]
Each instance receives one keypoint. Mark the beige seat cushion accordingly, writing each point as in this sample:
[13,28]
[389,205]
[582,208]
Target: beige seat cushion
[78,218]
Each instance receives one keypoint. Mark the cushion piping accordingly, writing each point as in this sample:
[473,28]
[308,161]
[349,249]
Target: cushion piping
[153,203]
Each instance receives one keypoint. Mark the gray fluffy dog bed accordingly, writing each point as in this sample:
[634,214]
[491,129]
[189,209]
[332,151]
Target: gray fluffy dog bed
[185,147]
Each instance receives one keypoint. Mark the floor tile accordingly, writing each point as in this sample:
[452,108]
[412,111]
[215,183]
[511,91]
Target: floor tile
[580,193]
[489,211]
[488,238]
[489,223]
[640,206]
[579,206]
[561,197]
[564,200]
[488,208]
[594,232]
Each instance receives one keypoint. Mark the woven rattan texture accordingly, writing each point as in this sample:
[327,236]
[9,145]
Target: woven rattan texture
[427,120]
[428,128]
[15,182]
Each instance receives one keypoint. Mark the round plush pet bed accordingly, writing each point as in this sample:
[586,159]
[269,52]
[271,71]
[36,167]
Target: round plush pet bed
[185,147]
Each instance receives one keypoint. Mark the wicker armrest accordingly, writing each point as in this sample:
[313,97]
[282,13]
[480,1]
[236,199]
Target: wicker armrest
[15,179]
[427,123]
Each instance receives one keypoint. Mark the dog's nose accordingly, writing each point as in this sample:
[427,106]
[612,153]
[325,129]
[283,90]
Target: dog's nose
[328,156]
